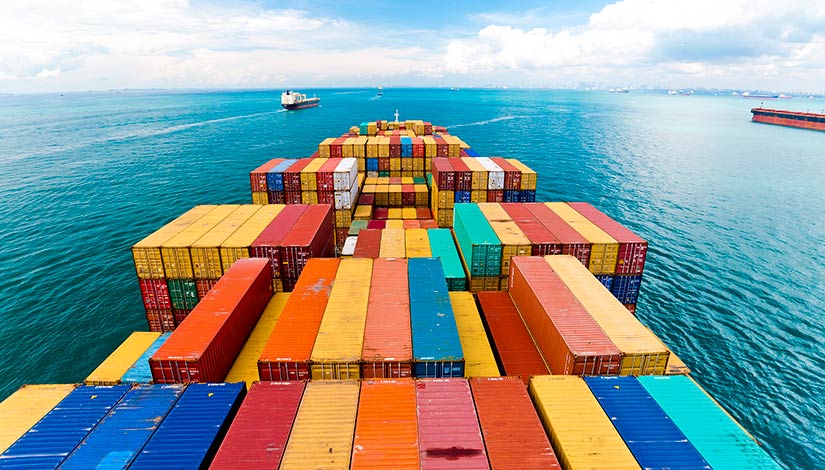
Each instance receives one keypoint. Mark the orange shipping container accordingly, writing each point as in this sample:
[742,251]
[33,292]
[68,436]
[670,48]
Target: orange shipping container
[387,339]
[386,433]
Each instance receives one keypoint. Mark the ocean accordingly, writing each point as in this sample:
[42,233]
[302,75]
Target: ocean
[734,212]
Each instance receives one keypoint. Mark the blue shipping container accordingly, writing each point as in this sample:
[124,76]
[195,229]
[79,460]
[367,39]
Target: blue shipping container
[406,147]
[275,176]
[372,164]
[116,441]
[55,436]
[193,429]
[626,288]
[436,347]
[511,195]
[139,372]
[649,434]
[606,280]
[527,195]
[463,196]
[471,153]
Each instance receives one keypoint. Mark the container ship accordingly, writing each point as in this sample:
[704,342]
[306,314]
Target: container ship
[779,117]
[294,100]
[395,300]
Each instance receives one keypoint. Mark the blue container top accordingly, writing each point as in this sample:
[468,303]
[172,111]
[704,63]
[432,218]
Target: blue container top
[648,432]
[116,441]
[406,140]
[54,437]
[191,432]
[471,153]
[720,439]
[434,331]
[140,372]
[283,166]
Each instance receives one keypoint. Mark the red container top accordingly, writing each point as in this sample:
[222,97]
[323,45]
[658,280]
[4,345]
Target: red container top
[463,174]
[561,229]
[380,213]
[423,213]
[533,229]
[448,430]
[387,336]
[412,223]
[513,342]
[616,230]
[395,180]
[366,199]
[429,223]
[377,224]
[395,139]
[513,434]
[443,174]
[369,243]
[259,432]
[275,232]
[325,177]
[316,220]
[298,166]
[268,165]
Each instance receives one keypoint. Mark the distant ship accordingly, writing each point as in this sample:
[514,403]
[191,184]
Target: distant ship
[759,96]
[781,117]
[619,90]
[294,100]
[380,92]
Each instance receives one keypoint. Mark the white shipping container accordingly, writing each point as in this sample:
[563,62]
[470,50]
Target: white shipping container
[346,199]
[349,246]
[346,174]
[495,178]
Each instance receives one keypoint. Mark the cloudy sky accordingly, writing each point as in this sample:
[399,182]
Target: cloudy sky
[56,45]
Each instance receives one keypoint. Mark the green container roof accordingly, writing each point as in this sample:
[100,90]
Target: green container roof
[443,246]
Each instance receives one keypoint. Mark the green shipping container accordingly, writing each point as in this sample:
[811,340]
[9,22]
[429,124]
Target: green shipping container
[480,247]
[356,227]
[442,246]
[183,293]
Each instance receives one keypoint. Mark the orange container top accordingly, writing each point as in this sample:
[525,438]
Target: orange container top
[294,334]
[387,336]
[386,433]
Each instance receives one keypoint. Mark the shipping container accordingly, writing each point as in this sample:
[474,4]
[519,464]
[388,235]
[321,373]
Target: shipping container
[442,246]
[121,434]
[513,243]
[448,430]
[257,177]
[581,434]
[193,429]
[53,437]
[417,244]
[205,252]
[436,346]
[245,367]
[478,244]
[572,242]
[721,441]
[258,434]
[237,245]
[337,350]
[626,288]
[570,340]
[349,246]
[479,360]
[203,347]
[322,434]
[286,354]
[528,177]
[177,261]
[513,434]
[268,243]
[25,407]
[155,294]
[147,254]
[649,434]
[392,243]
[113,367]
[604,249]
[369,244]
[386,432]
[311,237]
[139,372]
[542,240]
[275,175]
[183,294]
[632,248]
[642,352]
[387,351]
[513,343]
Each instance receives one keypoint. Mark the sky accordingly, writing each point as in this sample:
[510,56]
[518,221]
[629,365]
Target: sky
[55,45]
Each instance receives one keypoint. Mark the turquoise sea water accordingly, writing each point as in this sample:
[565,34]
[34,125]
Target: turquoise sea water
[734,212]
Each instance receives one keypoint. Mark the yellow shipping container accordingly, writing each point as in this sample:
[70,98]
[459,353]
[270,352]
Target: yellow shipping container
[494,212]
[675,366]
[418,164]
[383,147]
[245,367]
[395,194]
[478,196]
[581,433]
[421,195]
[395,163]
[370,180]
[384,180]
[481,283]
[323,147]
[382,197]
[445,218]
[346,147]
[395,224]
[430,147]
[176,259]
[25,407]
[479,360]
[513,243]
[372,128]
[343,218]
[309,197]
[363,212]
[462,144]
[479,173]
[417,243]
[394,213]
[372,146]
[643,353]
[406,165]
[528,176]
[237,245]
[392,243]
[113,367]
[205,252]
[146,253]
[337,350]
[454,146]
[277,285]
[409,213]
[324,427]
[407,180]
[309,177]
[359,147]
[260,197]
[604,249]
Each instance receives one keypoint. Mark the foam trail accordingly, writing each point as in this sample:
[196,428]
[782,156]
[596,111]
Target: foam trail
[489,121]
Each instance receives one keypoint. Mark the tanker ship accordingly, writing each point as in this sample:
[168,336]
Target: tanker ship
[779,117]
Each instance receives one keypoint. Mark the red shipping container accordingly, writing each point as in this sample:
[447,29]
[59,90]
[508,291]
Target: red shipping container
[369,243]
[293,197]
[387,349]
[429,223]
[155,294]
[340,237]
[395,180]
[335,150]
[541,238]
[180,316]
[512,175]
[161,320]
[418,147]
[310,237]
[495,195]
[411,224]
[395,146]
[423,213]
[448,431]
[408,195]
[380,213]
[292,176]
[443,174]
[366,199]
[512,341]
[259,432]
[428,128]
[204,346]
[326,197]
[268,243]
[632,248]
[257,177]
[513,434]
[572,242]
[570,340]
[286,354]
[442,149]
[462,153]
[203,286]
[463,175]
[377,224]
[384,163]
[325,177]
[277,197]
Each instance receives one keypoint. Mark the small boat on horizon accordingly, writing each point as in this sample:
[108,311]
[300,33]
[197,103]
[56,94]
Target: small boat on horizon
[380,91]
[294,100]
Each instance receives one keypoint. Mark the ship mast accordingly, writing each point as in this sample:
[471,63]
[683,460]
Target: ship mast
[396,115]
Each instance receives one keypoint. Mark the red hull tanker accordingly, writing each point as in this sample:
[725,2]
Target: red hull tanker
[789,118]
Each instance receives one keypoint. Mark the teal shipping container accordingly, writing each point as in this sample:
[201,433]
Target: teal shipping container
[442,246]
[140,373]
[479,246]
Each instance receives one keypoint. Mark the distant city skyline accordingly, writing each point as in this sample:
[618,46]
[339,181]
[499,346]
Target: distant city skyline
[51,45]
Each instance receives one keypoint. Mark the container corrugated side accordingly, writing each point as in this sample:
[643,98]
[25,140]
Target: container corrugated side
[139,372]
[245,367]
[337,350]
[54,436]
[478,244]
[632,248]
[513,243]
[542,240]
[386,431]
[529,177]
[387,351]
[392,243]
[604,249]
[121,359]
[205,252]
[25,407]
[237,245]
[268,243]
[443,247]
[193,429]
[259,432]
[582,435]
[479,360]
[713,432]
[513,434]
[121,434]
[177,261]
[572,242]
[322,434]
[642,352]
[311,237]
[448,431]
[146,253]
[417,245]
[649,434]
